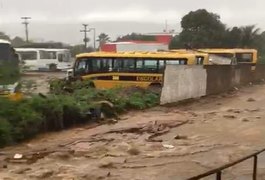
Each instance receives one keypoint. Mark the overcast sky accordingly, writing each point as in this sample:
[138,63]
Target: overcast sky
[61,19]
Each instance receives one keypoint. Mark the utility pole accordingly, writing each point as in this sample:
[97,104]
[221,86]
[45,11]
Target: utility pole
[85,31]
[26,23]
[94,38]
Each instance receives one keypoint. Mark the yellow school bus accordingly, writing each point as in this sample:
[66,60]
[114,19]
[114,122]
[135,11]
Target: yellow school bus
[143,69]
[224,56]
[241,56]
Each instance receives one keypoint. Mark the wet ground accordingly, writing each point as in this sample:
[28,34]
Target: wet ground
[160,143]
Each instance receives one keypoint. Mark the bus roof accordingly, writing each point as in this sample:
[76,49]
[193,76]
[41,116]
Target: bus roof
[39,49]
[235,50]
[187,51]
[134,54]
[2,41]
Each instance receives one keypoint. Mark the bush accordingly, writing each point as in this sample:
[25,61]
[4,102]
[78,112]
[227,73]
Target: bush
[63,109]
[5,132]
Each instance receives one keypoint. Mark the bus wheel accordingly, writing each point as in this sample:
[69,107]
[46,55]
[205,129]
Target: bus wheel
[52,67]
[155,88]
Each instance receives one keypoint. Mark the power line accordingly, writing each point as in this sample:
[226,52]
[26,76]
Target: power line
[26,23]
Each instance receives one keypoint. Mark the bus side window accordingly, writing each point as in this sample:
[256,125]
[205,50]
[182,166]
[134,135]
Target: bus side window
[139,65]
[96,65]
[106,65]
[151,65]
[128,65]
[161,65]
[117,65]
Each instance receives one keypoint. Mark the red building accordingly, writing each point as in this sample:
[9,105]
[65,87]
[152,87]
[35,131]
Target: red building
[161,42]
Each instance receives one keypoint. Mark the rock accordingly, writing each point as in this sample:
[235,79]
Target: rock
[251,100]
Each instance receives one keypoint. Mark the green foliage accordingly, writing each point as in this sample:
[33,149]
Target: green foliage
[80,48]
[136,37]
[103,38]
[203,29]
[5,132]
[62,109]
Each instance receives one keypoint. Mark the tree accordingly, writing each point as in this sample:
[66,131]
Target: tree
[250,36]
[233,38]
[201,29]
[80,48]
[103,38]
[18,42]
[136,37]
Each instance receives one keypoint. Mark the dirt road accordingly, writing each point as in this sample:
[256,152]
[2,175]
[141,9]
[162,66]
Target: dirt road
[160,143]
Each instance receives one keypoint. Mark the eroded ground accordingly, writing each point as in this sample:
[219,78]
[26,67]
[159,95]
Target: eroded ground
[160,143]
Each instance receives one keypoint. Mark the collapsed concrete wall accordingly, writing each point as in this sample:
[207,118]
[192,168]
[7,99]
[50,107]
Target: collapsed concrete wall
[183,82]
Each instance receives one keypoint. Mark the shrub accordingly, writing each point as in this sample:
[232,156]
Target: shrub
[5,133]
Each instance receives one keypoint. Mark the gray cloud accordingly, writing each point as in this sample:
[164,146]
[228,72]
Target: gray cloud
[75,12]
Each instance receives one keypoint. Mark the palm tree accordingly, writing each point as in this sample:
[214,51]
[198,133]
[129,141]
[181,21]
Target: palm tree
[103,38]
[249,35]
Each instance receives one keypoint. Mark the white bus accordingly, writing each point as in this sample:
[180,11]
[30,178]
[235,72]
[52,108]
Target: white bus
[35,59]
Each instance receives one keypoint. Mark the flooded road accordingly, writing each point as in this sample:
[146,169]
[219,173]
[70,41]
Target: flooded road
[159,143]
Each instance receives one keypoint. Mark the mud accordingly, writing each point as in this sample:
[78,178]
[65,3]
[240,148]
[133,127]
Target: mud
[166,143]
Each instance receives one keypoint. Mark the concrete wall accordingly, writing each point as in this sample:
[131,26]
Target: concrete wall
[219,78]
[183,82]
[259,72]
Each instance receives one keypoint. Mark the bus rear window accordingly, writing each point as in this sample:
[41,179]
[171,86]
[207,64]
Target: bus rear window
[244,57]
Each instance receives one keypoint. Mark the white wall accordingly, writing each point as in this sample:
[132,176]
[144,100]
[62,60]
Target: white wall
[141,47]
[183,82]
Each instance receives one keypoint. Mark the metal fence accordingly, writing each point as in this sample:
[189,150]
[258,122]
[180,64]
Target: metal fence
[218,171]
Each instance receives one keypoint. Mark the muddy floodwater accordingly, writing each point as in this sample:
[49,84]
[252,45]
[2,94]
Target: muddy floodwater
[162,143]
